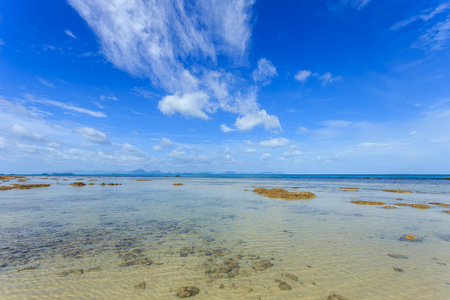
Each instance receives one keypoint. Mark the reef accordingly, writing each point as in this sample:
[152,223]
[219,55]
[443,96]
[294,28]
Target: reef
[78,184]
[143,180]
[420,206]
[440,204]
[283,194]
[398,191]
[360,202]
[389,206]
[177,184]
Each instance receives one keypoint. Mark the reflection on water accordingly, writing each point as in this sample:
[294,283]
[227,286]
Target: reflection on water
[146,239]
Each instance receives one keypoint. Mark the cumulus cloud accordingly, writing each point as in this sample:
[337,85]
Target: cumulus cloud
[302,75]
[164,143]
[264,72]
[92,135]
[275,143]
[251,150]
[69,33]
[189,105]
[259,118]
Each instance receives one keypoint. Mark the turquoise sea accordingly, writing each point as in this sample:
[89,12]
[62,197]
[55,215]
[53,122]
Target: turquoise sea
[104,241]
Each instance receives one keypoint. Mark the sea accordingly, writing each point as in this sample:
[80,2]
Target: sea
[150,237]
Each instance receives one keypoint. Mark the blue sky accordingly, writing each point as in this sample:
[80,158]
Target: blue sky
[323,86]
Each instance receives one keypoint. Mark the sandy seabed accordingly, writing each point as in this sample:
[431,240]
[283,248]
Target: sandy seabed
[214,238]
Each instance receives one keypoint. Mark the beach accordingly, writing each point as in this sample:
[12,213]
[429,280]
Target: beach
[146,237]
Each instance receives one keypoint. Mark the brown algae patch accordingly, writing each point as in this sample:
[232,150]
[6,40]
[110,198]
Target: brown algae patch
[283,194]
[419,206]
[440,204]
[78,184]
[6,188]
[350,191]
[389,206]
[398,191]
[30,186]
[177,184]
[349,188]
[360,202]
[411,238]
[262,265]
[143,179]
[446,211]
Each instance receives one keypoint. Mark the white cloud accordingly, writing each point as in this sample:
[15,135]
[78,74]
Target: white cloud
[264,72]
[69,33]
[2,42]
[328,78]
[225,128]
[424,17]
[437,37]
[265,157]
[92,135]
[251,150]
[46,83]
[164,143]
[2,142]
[25,133]
[66,106]
[275,143]
[259,118]
[176,45]
[292,155]
[103,97]
[188,105]
[302,75]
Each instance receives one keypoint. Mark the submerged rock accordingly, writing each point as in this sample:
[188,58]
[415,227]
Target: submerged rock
[262,265]
[398,255]
[445,237]
[389,206]
[284,286]
[71,272]
[336,297]
[78,184]
[420,206]
[139,261]
[177,184]
[291,277]
[397,269]
[411,238]
[140,286]
[187,291]
[6,188]
[283,194]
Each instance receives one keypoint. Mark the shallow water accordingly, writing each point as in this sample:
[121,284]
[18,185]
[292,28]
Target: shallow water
[81,242]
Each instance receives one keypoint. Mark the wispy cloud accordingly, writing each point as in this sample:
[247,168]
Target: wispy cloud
[176,45]
[326,78]
[92,135]
[164,143]
[424,16]
[264,72]
[66,106]
[69,33]
[46,83]
[436,36]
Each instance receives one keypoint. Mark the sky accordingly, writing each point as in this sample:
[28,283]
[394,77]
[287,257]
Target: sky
[246,86]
